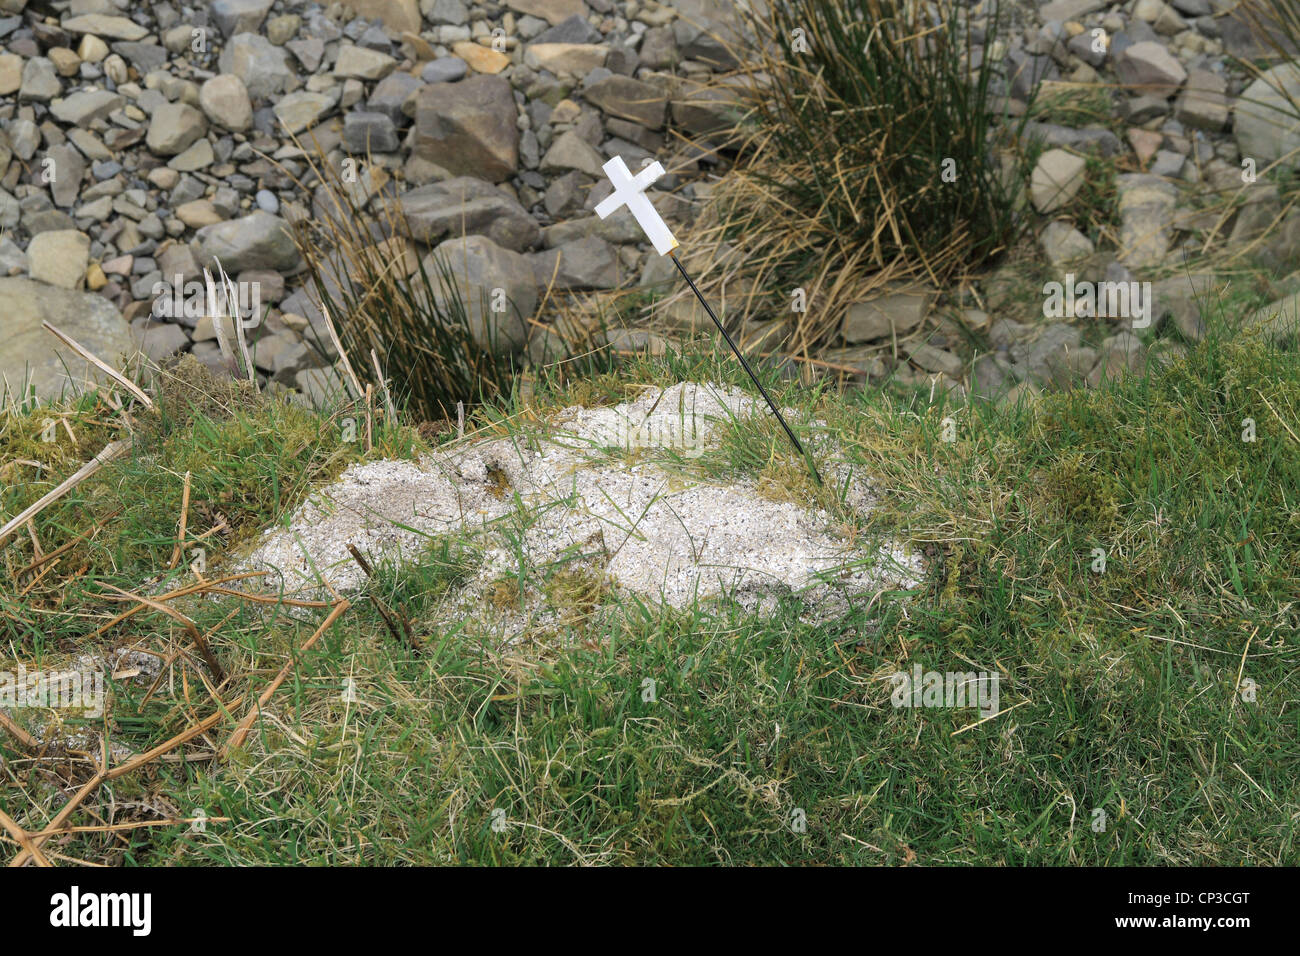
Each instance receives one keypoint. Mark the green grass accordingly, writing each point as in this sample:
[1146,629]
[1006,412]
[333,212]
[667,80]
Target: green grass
[627,733]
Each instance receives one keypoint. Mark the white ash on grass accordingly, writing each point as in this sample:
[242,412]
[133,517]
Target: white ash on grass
[590,492]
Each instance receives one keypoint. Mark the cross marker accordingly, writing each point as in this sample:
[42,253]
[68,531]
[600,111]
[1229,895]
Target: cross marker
[630,191]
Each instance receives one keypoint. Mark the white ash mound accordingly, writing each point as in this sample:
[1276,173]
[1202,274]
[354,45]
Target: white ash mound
[570,494]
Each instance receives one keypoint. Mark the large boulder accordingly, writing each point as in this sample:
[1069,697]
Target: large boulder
[33,356]
[469,128]
[467,206]
[495,285]
[1267,125]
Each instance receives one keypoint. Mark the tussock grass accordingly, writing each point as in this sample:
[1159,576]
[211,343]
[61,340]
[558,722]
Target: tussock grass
[856,110]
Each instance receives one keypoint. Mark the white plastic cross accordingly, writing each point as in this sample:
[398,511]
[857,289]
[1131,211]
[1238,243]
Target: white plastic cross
[630,192]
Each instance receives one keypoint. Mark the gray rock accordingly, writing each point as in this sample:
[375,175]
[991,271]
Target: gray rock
[934,359]
[1056,179]
[893,312]
[84,107]
[1063,243]
[68,169]
[482,274]
[446,69]
[362,64]
[321,387]
[145,57]
[1183,298]
[391,95]
[105,27]
[297,111]
[620,228]
[467,206]
[263,67]
[239,16]
[32,355]
[629,99]
[469,127]
[1203,103]
[1120,355]
[366,132]
[709,31]
[1047,358]
[257,241]
[444,12]
[158,340]
[309,52]
[40,81]
[59,257]
[1280,320]
[571,151]
[1150,67]
[1265,123]
[225,101]
[173,128]
[587,263]
[1146,208]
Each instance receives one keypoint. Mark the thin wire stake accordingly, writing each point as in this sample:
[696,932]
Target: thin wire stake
[754,378]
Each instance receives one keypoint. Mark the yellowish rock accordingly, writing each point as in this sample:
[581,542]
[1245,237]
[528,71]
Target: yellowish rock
[481,59]
[64,60]
[95,278]
[92,49]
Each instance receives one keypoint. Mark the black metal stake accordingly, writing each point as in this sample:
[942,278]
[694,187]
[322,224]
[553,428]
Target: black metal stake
[754,378]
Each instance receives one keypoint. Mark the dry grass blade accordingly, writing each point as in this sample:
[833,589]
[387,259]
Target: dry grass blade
[111,451]
[103,366]
[241,732]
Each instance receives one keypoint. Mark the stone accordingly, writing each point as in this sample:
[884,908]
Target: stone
[552,11]
[571,59]
[1063,10]
[1168,164]
[399,16]
[59,257]
[628,99]
[586,263]
[40,81]
[1062,242]
[239,16]
[1203,103]
[367,132]
[11,73]
[481,59]
[257,241]
[575,29]
[1279,320]
[1264,120]
[709,31]
[893,312]
[445,69]
[309,52]
[934,359]
[1120,354]
[361,63]
[114,28]
[263,67]
[1047,356]
[1146,209]
[1183,298]
[469,128]
[224,100]
[478,268]
[198,156]
[297,111]
[34,356]
[158,340]
[1056,179]
[391,95]
[198,213]
[68,169]
[467,206]
[571,151]
[82,108]
[1151,67]
[1145,143]
[173,128]
[321,387]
